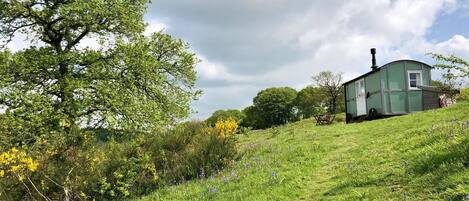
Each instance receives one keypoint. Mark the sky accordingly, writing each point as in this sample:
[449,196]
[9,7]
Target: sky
[249,45]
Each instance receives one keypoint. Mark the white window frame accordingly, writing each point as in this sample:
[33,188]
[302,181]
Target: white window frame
[418,83]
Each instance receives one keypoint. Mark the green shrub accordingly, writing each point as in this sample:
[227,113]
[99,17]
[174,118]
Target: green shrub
[463,94]
[114,165]
[340,118]
[192,150]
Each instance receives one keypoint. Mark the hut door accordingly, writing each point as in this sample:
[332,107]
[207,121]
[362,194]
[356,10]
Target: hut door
[361,97]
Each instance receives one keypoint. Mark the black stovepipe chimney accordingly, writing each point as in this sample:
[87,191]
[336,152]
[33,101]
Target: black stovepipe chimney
[373,59]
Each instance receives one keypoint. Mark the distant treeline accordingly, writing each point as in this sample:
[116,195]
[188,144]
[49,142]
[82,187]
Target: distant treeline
[280,105]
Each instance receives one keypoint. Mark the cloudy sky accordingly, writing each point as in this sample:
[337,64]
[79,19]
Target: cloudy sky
[249,45]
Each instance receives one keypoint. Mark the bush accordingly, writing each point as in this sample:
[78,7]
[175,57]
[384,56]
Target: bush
[95,165]
[463,95]
[195,150]
[237,115]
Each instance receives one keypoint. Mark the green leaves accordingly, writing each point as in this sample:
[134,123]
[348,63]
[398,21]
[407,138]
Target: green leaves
[309,100]
[455,66]
[455,70]
[63,24]
[149,82]
[275,106]
[133,82]
[132,86]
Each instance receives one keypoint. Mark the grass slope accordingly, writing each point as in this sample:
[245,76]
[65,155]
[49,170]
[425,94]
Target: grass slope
[422,156]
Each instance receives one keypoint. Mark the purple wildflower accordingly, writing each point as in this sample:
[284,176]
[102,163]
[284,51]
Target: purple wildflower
[233,175]
[212,190]
[224,179]
[274,174]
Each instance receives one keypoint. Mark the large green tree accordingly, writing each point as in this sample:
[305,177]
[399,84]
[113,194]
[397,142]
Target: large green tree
[130,82]
[308,100]
[275,106]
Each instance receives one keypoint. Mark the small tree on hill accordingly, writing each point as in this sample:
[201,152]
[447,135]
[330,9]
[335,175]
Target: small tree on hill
[331,86]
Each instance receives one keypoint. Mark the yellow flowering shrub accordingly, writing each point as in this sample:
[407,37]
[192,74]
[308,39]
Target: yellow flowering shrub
[17,163]
[226,127]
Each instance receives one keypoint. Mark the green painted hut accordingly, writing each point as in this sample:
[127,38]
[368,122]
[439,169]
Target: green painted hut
[396,88]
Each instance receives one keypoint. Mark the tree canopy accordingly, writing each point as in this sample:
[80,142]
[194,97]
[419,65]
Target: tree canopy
[308,100]
[331,85]
[234,114]
[275,105]
[132,81]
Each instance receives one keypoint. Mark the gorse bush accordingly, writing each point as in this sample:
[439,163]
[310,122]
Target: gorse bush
[16,163]
[226,127]
[97,165]
[237,115]
[194,150]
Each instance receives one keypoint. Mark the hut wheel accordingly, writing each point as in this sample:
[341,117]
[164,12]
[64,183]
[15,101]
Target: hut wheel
[372,114]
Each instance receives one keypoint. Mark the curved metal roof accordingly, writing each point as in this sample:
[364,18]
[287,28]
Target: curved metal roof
[379,68]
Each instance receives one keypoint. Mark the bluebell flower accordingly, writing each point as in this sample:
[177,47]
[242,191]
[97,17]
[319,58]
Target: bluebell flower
[233,175]
[274,174]
[212,190]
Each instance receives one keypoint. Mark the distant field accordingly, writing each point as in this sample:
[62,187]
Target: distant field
[422,156]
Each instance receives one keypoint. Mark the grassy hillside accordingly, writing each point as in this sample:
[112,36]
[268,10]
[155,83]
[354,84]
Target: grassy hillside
[423,156]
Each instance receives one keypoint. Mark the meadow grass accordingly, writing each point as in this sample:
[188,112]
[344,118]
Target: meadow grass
[422,156]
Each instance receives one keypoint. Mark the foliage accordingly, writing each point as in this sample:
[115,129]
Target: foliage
[253,118]
[131,85]
[193,150]
[463,95]
[131,81]
[454,69]
[308,100]
[322,117]
[437,83]
[237,115]
[421,156]
[16,163]
[331,85]
[114,169]
[455,66]
[226,127]
[275,106]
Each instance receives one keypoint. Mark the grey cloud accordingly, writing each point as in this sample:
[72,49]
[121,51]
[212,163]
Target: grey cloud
[248,36]
[264,43]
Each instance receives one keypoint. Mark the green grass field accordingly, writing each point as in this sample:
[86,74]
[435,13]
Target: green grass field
[422,156]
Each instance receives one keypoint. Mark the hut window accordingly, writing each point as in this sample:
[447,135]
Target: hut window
[415,79]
